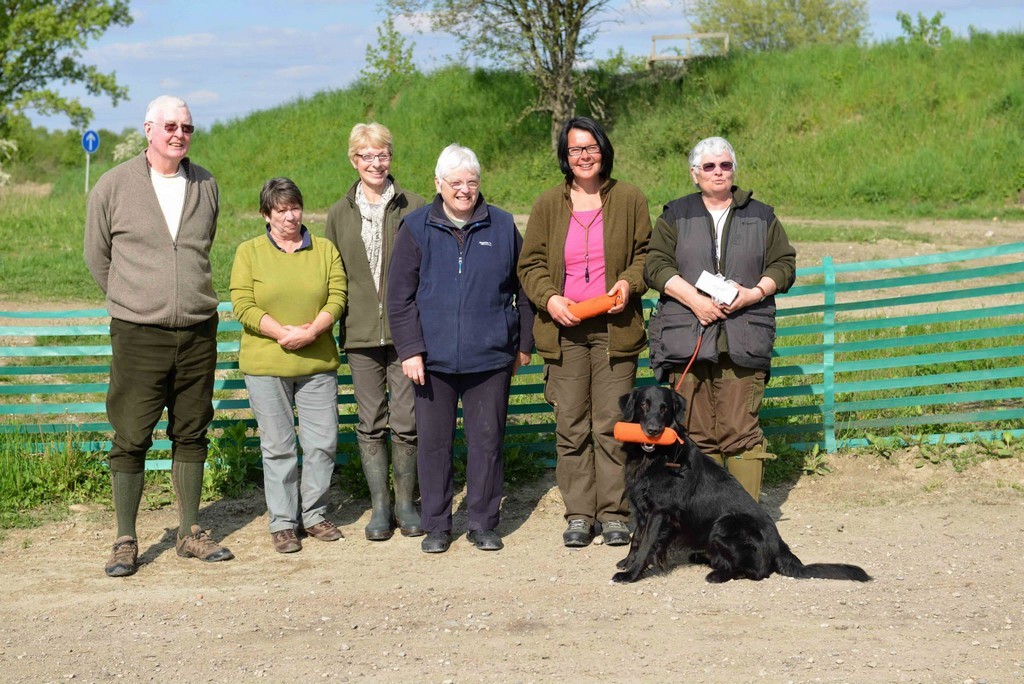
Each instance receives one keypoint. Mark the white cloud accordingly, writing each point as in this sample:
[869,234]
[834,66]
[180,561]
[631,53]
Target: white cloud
[158,49]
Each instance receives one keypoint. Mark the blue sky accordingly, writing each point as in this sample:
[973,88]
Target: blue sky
[228,58]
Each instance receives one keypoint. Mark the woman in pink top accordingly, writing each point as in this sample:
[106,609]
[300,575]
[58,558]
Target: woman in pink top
[587,237]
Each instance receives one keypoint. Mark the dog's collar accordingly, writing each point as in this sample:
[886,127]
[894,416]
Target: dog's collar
[674,464]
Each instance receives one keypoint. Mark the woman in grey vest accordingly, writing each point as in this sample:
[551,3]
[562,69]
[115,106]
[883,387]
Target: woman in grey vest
[724,233]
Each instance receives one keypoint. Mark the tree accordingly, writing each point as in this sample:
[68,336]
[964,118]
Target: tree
[781,24]
[389,60]
[41,43]
[544,37]
[929,32]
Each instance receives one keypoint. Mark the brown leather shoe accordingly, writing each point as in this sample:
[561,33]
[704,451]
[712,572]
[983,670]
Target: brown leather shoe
[325,530]
[124,559]
[285,541]
[200,545]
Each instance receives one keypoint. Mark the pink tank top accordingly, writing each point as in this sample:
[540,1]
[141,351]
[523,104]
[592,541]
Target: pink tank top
[584,256]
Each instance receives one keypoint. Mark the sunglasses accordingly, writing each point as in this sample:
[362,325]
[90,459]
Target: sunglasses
[708,167]
[187,129]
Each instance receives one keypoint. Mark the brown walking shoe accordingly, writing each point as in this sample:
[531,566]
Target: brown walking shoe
[285,541]
[325,530]
[200,545]
[124,559]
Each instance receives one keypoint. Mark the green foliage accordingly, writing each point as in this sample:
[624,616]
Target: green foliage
[234,463]
[543,38]
[46,469]
[782,24]
[41,43]
[389,63]
[928,32]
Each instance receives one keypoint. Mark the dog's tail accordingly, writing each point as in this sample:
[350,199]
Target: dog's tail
[790,566]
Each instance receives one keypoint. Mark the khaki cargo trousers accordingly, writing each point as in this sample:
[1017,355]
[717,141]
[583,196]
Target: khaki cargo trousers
[722,405]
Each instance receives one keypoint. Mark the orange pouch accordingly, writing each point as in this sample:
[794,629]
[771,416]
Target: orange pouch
[631,432]
[594,306]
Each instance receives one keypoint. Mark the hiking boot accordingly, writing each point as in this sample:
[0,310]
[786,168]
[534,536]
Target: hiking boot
[325,530]
[200,545]
[615,533]
[285,541]
[485,540]
[124,559]
[579,533]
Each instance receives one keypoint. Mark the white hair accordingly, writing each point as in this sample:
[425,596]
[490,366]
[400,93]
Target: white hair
[163,103]
[711,146]
[455,157]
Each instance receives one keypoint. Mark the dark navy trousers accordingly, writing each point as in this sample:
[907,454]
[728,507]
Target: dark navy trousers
[484,408]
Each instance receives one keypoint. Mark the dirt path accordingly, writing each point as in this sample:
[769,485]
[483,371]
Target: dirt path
[947,603]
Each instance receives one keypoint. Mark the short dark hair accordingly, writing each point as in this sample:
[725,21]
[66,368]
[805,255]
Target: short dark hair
[585,123]
[277,192]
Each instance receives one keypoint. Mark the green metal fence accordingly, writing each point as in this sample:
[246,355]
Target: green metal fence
[925,348]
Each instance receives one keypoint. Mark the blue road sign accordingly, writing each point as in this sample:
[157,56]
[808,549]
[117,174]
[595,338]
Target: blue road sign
[91,141]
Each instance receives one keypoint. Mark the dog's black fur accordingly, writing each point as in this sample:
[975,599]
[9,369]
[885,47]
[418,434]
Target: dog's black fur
[679,494]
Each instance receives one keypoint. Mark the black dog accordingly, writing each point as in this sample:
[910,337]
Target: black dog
[679,494]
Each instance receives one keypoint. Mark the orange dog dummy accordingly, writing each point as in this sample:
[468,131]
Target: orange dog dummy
[632,432]
[594,306]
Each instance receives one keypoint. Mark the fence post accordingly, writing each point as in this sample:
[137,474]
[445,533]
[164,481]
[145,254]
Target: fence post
[829,355]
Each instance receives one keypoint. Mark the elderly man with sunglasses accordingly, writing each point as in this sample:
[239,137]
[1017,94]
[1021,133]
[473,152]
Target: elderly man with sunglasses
[718,258]
[150,224]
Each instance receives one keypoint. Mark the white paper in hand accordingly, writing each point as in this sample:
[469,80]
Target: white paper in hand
[717,288]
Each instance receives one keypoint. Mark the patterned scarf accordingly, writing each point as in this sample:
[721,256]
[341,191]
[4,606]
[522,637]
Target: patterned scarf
[373,227]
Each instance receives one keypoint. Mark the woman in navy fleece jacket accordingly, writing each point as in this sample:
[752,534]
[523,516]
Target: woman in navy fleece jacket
[462,327]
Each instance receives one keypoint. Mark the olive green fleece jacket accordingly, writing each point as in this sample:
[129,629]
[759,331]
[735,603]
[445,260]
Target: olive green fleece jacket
[365,322]
[627,230]
[149,278]
[294,289]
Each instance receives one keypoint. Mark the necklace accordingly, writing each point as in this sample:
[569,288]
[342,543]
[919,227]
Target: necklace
[586,239]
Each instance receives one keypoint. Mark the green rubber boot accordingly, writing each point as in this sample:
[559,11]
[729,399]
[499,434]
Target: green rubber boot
[748,468]
[374,457]
[403,461]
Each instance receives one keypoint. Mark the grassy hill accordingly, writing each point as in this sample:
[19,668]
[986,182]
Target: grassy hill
[886,131]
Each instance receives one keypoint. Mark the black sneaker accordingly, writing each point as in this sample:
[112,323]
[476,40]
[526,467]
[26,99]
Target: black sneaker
[485,540]
[436,542]
[579,533]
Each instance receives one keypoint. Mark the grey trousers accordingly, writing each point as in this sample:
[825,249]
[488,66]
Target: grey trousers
[384,396]
[289,502]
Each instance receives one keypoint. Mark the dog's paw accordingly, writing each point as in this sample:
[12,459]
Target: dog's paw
[718,577]
[623,578]
[624,563]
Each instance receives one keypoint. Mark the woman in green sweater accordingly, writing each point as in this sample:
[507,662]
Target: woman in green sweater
[288,290]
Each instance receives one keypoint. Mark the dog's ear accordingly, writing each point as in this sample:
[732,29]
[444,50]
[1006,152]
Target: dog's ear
[627,404]
[678,409]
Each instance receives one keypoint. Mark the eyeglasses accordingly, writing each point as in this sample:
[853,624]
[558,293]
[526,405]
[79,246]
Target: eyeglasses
[459,185]
[708,167]
[187,129]
[590,149]
[384,157]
